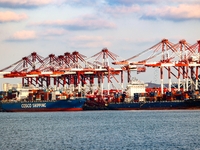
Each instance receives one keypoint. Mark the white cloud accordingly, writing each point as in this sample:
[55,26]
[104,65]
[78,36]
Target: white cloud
[9,16]
[122,10]
[23,35]
[176,13]
[89,41]
[24,3]
[87,22]
[53,32]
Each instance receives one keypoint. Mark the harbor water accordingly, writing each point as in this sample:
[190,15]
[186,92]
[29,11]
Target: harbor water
[101,130]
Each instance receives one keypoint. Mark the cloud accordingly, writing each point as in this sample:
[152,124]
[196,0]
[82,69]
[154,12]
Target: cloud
[23,3]
[149,2]
[85,38]
[175,13]
[183,1]
[77,2]
[85,41]
[54,32]
[24,35]
[122,10]
[98,3]
[9,16]
[178,10]
[130,2]
[83,23]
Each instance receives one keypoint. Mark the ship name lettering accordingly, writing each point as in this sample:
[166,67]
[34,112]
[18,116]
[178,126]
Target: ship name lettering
[39,105]
[25,105]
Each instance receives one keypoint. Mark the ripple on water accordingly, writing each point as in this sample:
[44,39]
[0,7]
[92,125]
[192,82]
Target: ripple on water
[100,130]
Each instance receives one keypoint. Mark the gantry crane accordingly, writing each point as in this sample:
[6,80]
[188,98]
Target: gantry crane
[76,70]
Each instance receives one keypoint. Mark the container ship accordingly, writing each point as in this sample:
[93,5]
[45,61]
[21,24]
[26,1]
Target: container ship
[31,99]
[137,96]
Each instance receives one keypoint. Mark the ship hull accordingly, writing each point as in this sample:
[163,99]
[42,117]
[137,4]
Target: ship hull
[42,106]
[165,105]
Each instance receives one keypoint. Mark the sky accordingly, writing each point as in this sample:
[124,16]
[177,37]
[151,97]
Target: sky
[124,27]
